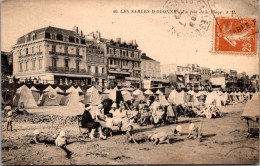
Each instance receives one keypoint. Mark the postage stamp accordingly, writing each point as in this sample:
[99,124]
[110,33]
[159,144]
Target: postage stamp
[235,35]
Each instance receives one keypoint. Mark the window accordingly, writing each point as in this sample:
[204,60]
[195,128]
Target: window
[103,70]
[27,50]
[66,49]
[20,52]
[120,52]
[40,63]
[123,53]
[111,62]
[66,64]
[77,51]
[21,67]
[53,48]
[32,50]
[96,69]
[33,37]
[53,36]
[77,40]
[54,63]
[33,65]
[26,66]
[77,66]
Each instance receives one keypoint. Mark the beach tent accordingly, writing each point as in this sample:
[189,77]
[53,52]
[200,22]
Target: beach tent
[137,92]
[47,89]
[73,98]
[49,98]
[92,96]
[158,92]
[148,92]
[211,97]
[107,91]
[126,95]
[112,94]
[162,100]
[57,89]
[71,89]
[251,110]
[172,96]
[36,93]
[62,97]
[180,98]
[79,89]
[24,94]
[138,95]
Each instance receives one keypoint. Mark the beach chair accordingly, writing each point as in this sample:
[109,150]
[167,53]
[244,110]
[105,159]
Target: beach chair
[253,127]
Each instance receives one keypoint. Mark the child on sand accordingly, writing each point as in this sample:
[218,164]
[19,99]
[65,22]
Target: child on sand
[177,130]
[9,117]
[160,137]
[194,131]
[61,139]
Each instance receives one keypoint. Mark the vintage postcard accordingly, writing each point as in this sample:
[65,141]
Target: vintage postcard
[120,82]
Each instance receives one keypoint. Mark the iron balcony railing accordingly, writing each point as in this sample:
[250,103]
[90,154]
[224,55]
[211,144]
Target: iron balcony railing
[68,70]
[65,54]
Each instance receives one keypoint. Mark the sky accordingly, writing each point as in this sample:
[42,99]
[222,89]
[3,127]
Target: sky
[19,17]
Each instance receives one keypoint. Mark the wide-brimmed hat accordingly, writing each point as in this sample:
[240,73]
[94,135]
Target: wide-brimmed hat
[36,132]
[100,106]
[178,128]
[192,126]
[62,133]
[113,105]
[88,108]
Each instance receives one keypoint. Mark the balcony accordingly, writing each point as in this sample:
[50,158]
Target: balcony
[33,54]
[123,57]
[111,77]
[99,74]
[132,78]
[65,54]
[125,67]
[113,66]
[67,70]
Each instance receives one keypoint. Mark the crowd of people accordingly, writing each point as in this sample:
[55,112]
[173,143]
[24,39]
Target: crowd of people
[122,116]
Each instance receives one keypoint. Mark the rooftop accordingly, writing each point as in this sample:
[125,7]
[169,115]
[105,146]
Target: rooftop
[48,29]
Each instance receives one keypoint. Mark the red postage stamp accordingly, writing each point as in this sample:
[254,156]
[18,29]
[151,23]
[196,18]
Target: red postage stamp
[235,35]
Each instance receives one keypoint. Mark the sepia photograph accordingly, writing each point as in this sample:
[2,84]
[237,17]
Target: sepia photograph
[129,82]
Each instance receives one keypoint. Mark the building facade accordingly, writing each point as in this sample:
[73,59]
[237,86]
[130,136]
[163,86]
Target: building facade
[205,76]
[151,72]
[51,55]
[123,63]
[96,62]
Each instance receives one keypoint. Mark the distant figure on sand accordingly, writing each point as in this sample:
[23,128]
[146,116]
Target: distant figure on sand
[61,139]
[9,117]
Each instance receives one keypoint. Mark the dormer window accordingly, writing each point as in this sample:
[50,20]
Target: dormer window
[33,37]
[53,36]
[66,38]
[26,38]
[77,40]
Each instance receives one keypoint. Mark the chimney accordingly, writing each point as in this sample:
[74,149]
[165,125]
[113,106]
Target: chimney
[81,33]
[118,40]
[75,29]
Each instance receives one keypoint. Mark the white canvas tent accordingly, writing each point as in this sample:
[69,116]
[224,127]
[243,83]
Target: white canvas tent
[93,96]
[24,94]
[49,98]
[148,92]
